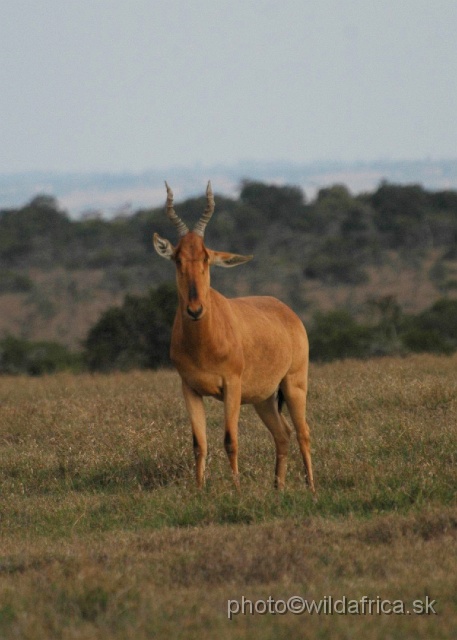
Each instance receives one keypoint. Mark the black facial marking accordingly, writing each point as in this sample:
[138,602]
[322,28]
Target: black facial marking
[193,293]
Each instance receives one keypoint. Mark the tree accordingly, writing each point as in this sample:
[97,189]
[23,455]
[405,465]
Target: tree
[400,213]
[281,204]
[335,261]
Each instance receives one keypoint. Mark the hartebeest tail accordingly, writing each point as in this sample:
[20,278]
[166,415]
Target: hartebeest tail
[245,350]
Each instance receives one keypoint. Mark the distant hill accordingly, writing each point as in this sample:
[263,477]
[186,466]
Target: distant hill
[336,251]
[111,194]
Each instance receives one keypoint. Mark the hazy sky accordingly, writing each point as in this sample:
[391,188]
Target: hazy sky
[130,85]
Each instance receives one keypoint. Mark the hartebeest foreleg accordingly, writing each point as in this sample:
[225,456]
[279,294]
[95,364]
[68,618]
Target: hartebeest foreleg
[196,411]
[280,430]
[232,406]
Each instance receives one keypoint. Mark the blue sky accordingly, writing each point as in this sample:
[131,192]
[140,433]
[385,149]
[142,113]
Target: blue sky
[110,85]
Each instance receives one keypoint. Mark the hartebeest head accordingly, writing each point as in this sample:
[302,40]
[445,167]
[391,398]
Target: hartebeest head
[193,259]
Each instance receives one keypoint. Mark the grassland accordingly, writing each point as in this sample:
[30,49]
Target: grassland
[103,534]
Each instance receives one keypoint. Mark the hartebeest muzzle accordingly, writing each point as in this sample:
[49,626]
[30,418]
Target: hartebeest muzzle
[195,314]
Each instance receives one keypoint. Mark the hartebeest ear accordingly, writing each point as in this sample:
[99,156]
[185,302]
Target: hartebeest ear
[223,259]
[163,247]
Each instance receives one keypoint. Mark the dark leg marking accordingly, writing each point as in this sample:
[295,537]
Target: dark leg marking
[280,400]
[228,442]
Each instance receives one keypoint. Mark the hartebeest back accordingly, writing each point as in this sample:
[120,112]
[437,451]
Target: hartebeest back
[244,350]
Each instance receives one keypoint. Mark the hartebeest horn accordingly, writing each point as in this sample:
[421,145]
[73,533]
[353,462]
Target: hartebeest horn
[200,227]
[171,213]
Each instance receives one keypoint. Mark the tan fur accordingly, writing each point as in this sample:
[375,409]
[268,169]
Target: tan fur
[239,350]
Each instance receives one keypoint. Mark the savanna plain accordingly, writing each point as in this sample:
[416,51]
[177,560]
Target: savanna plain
[104,535]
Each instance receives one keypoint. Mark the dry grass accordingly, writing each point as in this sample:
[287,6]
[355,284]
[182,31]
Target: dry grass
[103,533]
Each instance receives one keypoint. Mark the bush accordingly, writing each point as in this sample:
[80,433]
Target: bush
[19,356]
[12,282]
[434,329]
[136,335]
[337,335]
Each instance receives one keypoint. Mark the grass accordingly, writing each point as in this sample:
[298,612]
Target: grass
[103,534]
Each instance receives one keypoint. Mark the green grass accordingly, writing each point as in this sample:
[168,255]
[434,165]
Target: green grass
[104,535]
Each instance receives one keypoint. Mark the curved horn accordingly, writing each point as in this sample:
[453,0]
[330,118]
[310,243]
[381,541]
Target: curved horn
[200,227]
[171,213]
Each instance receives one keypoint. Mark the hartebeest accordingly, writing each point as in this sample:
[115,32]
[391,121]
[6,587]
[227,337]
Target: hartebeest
[250,350]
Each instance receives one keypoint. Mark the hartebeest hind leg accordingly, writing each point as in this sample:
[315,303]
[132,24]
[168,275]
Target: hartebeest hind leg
[294,388]
[196,411]
[281,431]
